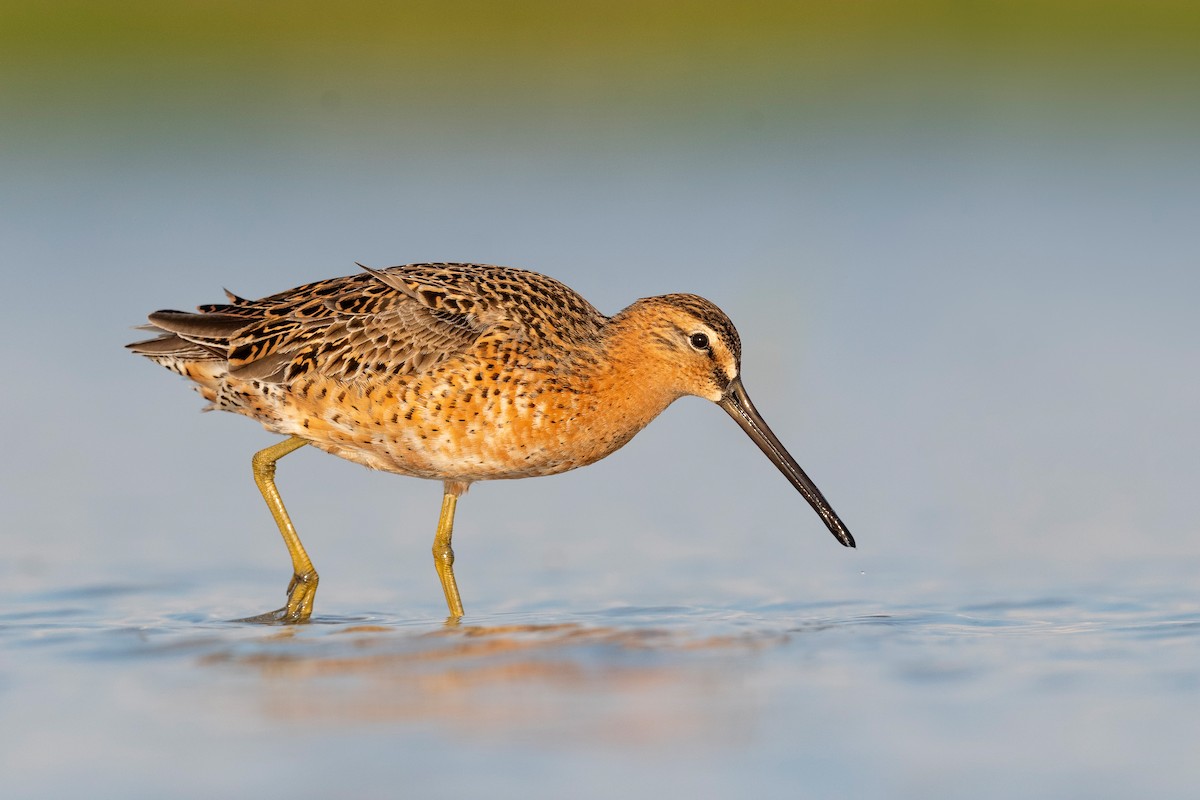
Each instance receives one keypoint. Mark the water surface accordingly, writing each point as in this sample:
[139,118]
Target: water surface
[1054,696]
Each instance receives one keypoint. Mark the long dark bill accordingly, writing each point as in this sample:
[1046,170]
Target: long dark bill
[737,403]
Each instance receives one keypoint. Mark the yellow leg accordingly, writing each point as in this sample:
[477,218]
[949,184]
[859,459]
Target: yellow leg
[443,555]
[303,586]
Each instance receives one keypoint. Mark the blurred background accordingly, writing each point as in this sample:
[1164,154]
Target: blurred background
[959,240]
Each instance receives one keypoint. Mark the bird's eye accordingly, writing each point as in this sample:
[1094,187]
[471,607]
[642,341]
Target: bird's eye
[699,341]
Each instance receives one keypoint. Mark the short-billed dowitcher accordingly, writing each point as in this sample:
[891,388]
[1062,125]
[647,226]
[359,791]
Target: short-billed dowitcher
[459,373]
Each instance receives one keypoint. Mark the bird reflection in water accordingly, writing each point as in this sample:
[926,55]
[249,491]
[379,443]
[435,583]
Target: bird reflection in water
[602,684]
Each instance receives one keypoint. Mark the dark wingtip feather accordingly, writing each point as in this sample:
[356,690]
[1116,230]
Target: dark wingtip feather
[198,326]
[165,346]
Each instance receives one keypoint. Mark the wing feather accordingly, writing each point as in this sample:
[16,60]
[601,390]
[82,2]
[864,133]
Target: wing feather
[396,320]
[400,320]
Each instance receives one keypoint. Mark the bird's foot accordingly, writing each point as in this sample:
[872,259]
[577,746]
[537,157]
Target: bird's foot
[301,591]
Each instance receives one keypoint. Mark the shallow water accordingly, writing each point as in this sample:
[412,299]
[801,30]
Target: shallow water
[1055,696]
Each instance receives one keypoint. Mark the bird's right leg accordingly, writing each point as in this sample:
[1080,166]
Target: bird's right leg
[303,586]
[443,555]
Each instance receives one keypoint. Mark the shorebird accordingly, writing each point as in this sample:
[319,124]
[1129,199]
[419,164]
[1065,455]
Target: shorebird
[458,373]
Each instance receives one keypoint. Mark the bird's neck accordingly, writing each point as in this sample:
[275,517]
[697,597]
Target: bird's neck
[634,372]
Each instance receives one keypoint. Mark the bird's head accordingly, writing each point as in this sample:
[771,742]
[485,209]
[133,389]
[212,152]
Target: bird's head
[690,347]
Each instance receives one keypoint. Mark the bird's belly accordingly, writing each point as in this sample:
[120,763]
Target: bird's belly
[447,433]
